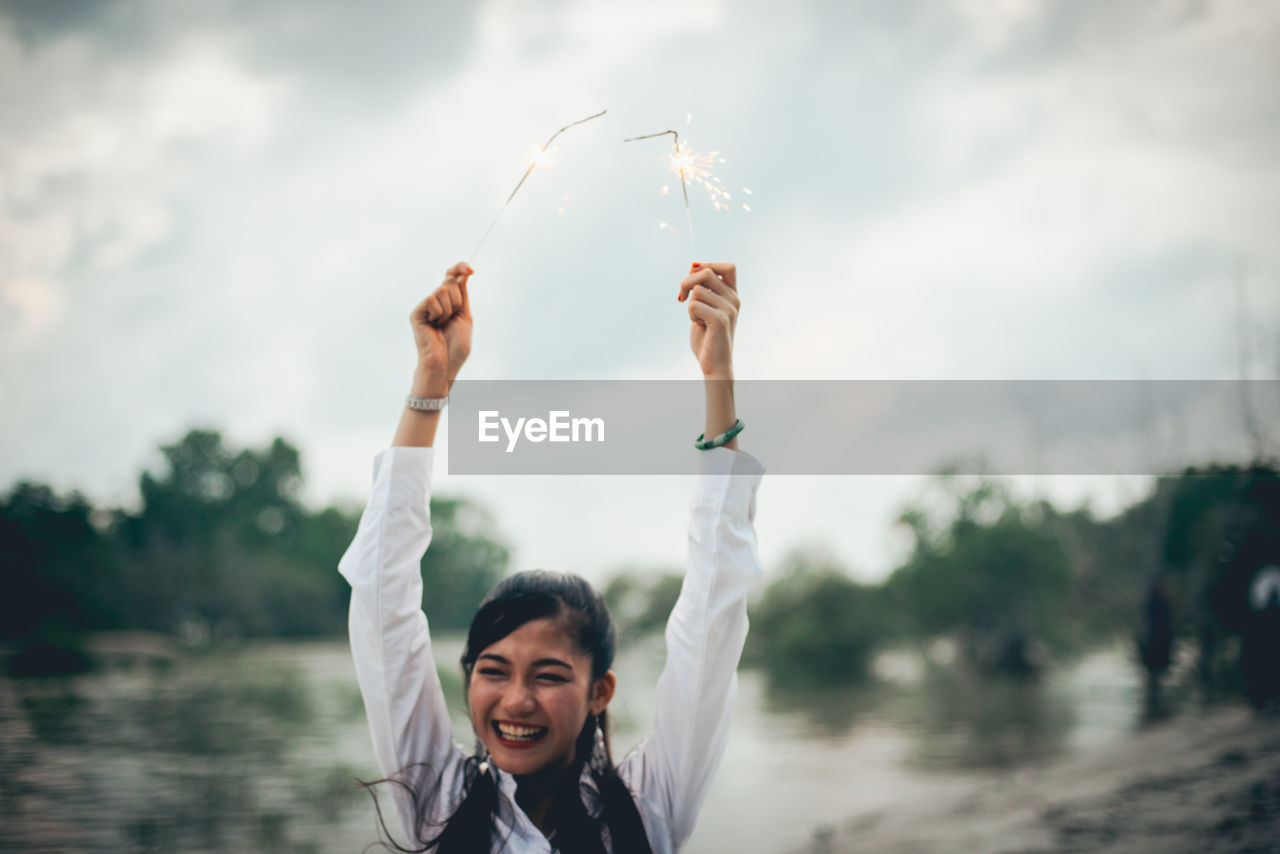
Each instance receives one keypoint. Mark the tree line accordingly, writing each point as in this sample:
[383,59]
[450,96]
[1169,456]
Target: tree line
[220,547]
[1013,587]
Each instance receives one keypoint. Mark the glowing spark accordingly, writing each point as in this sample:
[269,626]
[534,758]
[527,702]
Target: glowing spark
[544,157]
[540,157]
[696,169]
[693,168]
[664,190]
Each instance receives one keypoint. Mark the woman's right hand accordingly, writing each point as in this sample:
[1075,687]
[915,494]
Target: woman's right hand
[442,333]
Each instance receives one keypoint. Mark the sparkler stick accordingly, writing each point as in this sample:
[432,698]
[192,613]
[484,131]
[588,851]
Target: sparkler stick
[678,163]
[533,162]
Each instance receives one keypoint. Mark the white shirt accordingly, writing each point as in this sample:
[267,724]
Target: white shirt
[670,772]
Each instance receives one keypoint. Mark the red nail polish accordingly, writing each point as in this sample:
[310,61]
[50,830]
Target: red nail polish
[696,265]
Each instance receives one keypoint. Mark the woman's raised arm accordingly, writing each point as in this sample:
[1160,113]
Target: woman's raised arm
[708,625]
[442,333]
[390,643]
[712,293]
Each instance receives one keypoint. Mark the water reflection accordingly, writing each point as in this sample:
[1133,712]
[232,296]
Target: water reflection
[828,712]
[203,758]
[259,749]
[966,722]
[954,719]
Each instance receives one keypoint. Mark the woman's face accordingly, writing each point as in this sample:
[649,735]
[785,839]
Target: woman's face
[530,694]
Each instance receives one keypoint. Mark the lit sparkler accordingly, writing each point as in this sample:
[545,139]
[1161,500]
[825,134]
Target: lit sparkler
[696,169]
[678,163]
[539,157]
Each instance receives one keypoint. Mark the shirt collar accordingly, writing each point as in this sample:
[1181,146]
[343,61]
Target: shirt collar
[587,788]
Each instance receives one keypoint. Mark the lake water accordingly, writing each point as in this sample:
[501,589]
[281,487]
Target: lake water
[255,749]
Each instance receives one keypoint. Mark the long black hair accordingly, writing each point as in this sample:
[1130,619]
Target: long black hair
[514,601]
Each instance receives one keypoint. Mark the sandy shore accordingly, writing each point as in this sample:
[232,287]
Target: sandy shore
[1201,783]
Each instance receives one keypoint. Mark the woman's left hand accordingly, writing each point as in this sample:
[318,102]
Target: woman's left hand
[712,292]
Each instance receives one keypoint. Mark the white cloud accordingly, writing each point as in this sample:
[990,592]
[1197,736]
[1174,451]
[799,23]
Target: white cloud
[92,159]
[1050,179]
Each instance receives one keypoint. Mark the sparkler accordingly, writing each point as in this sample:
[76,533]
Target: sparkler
[679,162]
[540,156]
[697,169]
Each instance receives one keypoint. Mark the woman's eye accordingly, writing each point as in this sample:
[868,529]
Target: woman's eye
[551,677]
[491,672]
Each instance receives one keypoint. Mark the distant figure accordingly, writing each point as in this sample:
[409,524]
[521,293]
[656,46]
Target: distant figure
[1155,644]
[1260,650]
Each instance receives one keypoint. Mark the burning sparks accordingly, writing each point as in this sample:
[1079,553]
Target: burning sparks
[540,157]
[696,169]
[544,157]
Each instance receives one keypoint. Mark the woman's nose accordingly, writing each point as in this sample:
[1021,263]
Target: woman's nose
[519,699]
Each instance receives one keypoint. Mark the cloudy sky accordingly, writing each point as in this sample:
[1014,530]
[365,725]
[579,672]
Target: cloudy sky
[219,214]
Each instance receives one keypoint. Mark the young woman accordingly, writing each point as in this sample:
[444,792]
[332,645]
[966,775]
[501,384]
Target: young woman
[539,651]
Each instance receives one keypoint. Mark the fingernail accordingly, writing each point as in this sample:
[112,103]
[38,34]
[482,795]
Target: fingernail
[696,265]
[470,271]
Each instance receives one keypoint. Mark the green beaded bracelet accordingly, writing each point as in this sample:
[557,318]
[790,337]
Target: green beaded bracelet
[707,444]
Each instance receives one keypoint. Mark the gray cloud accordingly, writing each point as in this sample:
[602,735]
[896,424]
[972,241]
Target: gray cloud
[222,212]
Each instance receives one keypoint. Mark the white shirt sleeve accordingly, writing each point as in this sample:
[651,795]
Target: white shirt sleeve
[705,635]
[408,718]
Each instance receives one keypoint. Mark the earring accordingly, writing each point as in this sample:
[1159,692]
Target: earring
[599,752]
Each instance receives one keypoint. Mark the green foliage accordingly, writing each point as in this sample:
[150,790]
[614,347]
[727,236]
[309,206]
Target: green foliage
[815,624]
[222,546]
[55,562]
[462,563]
[640,603]
[1223,526]
[991,573]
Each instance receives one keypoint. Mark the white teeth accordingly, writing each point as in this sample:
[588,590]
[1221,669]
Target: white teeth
[515,732]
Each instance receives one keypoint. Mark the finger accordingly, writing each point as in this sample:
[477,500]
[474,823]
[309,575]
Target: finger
[462,268]
[431,306]
[727,272]
[466,300]
[707,315]
[718,301]
[719,286]
[706,277]
[441,295]
[419,313]
[455,297]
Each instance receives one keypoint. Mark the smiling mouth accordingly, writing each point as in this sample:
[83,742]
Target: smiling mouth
[517,735]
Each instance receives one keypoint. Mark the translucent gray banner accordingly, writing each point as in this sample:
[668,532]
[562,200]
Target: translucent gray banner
[865,427]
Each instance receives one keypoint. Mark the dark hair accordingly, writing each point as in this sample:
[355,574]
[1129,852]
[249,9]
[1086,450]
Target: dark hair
[514,601]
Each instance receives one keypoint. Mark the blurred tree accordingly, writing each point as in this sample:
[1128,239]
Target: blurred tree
[816,624]
[464,561]
[641,601]
[48,548]
[988,572]
[221,546]
[1222,528]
